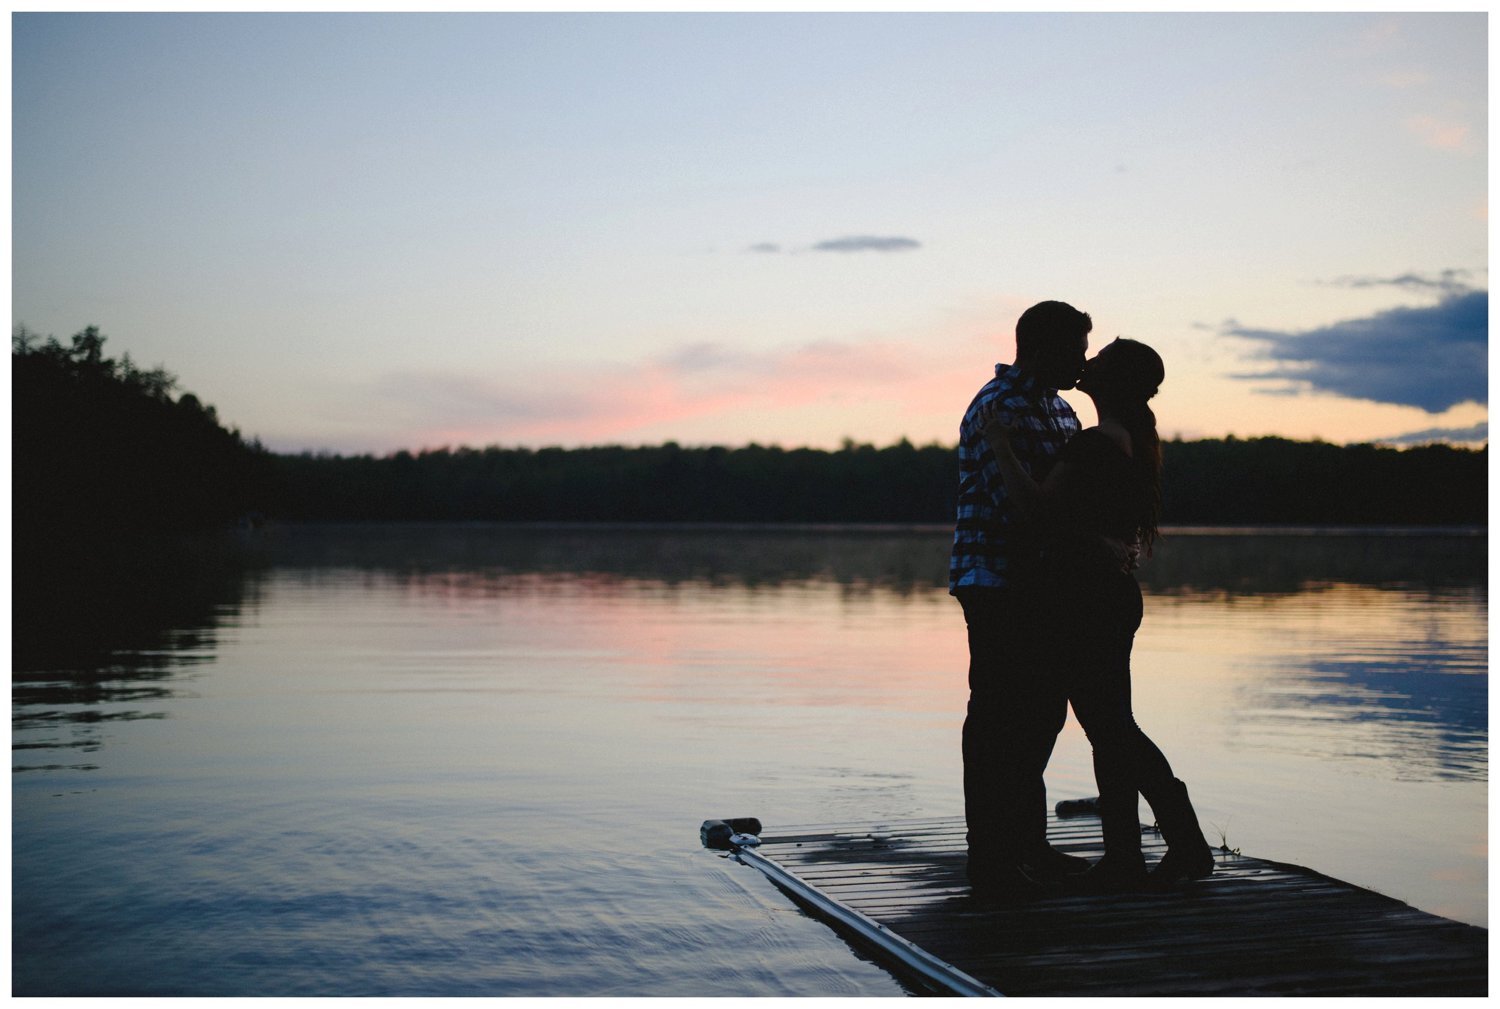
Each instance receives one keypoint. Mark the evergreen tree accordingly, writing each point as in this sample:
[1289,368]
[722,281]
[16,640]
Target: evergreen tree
[100,445]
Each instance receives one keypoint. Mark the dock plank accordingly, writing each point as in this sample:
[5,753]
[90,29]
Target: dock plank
[1255,927]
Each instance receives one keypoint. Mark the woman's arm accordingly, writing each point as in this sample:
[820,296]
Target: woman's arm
[1025,493]
[1037,503]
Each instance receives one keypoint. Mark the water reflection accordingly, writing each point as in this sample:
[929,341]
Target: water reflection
[1431,724]
[1350,644]
[1213,562]
[903,559]
[1394,677]
[1382,634]
[103,627]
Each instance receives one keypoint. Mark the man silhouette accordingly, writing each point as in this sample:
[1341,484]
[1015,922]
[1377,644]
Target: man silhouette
[1016,707]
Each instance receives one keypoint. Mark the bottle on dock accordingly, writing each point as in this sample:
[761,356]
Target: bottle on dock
[1078,807]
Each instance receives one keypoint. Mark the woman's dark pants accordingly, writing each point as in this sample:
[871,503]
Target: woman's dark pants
[1094,636]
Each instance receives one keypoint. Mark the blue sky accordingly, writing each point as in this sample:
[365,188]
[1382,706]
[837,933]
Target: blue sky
[371,232]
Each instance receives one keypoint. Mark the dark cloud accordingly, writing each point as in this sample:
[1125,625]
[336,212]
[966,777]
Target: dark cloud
[849,243]
[867,243]
[1447,282]
[701,357]
[1454,435]
[440,398]
[1432,357]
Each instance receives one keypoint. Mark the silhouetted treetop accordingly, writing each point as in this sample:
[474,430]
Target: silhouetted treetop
[100,444]
[84,360]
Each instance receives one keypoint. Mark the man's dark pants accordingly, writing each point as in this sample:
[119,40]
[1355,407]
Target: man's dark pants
[1017,706]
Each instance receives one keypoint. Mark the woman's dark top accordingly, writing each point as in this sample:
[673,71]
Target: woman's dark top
[1106,495]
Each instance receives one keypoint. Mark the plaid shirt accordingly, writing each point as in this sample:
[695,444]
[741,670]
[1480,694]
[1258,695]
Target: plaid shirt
[985,542]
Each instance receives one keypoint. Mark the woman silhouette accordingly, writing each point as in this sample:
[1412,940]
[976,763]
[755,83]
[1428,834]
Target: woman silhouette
[1097,511]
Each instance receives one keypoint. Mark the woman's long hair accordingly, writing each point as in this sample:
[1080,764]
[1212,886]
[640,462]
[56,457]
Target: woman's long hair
[1135,373]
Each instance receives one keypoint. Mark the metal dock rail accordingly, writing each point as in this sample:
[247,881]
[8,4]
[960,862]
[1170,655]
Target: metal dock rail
[1255,927]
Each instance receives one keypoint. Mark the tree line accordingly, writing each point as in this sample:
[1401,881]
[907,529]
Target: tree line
[1210,482]
[102,444]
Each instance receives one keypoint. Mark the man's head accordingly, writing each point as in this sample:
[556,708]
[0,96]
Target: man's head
[1052,340]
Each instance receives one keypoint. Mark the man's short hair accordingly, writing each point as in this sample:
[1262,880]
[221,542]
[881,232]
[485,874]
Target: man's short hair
[1047,321]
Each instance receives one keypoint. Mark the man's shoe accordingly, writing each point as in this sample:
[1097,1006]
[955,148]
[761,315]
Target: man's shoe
[1111,874]
[1006,884]
[1047,863]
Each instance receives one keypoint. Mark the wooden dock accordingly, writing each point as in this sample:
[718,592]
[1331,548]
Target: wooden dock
[1253,928]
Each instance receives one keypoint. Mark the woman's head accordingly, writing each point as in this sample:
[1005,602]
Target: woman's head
[1120,379]
[1125,370]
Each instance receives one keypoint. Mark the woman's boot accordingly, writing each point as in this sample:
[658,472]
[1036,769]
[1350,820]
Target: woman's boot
[1188,854]
[1123,867]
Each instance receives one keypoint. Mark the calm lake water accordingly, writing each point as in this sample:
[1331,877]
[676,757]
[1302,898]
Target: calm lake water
[472,760]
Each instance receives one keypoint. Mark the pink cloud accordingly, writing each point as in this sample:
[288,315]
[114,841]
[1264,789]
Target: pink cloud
[1446,136]
[870,388]
[554,405]
[1403,79]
